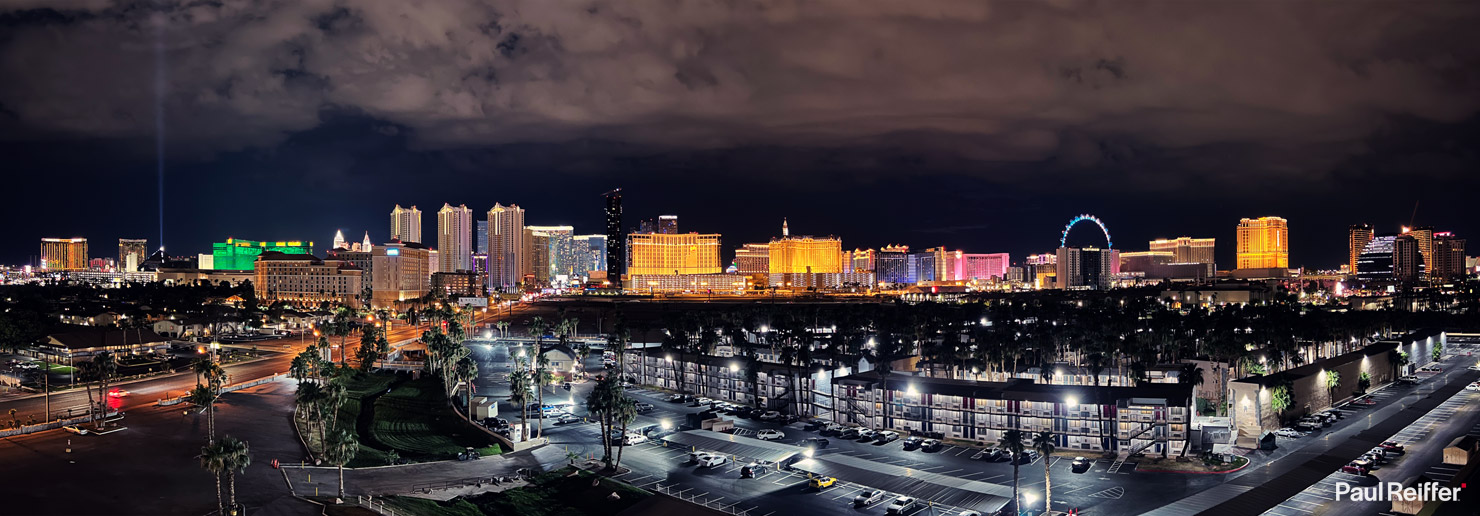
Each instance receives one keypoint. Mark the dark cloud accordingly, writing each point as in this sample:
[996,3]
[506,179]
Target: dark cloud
[1062,100]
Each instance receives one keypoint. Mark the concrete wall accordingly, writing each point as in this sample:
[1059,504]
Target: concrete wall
[1252,414]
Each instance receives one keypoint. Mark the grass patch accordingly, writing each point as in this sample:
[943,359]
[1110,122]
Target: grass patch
[424,507]
[59,369]
[416,420]
[561,493]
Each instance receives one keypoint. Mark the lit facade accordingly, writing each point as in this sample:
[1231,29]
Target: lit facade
[892,265]
[590,253]
[236,254]
[863,259]
[131,253]
[457,284]
[684,253]
[455,238]
[1449,257]
[1189,250]
[982,266]
[507,248]
[1423,237]
[753,259]
[302,278]
[1263,243]
[401,271]
[1357,238]
[406,224]
[64,254]
[701,283]
[803,254]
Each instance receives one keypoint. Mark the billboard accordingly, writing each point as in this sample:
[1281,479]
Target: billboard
[472,301]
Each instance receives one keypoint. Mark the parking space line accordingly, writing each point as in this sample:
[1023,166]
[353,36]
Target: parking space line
[949,472]
[972,474]
[963,450]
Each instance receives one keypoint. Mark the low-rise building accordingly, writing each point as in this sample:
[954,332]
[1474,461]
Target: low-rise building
[83,343]
[1151,418]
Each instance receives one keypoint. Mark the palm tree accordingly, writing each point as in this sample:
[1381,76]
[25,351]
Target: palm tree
[602,403]
[1333,379]
[625,413]
[237,457]
[341,449]
[467,371]
[202,396]
[213,457]
[1044,443]
[519,393]
[1012,442]
[542,377]
[105,365]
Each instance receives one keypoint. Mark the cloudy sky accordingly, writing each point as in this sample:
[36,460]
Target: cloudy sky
[979,125]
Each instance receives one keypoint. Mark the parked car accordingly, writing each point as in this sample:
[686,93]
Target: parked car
[1354,468]
[991,454]
[901,505]
[1473,387]
[867,434]
[769,434]
[1392,446]
[912,442]
[1410,380]
[567,419]
[710,460]
[867,496]
[930,445]
[815,424]
[770,415]
[1080,465]
[704,401]
[1307,426]
[631,439]
[677,398]
[1375,458]
[820,482]
[1027,457]
[833,428]
[814,442]
[790,418]
[886,437]
[849,433]
[75,429]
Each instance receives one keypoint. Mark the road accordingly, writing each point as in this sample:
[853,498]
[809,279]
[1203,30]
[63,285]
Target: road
[147,391]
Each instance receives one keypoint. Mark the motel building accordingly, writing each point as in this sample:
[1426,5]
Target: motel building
[1151,418]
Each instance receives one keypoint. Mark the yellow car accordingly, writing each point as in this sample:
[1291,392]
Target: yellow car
[823,482]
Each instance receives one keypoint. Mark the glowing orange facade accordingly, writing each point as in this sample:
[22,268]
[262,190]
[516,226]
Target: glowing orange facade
[804,254]
[1263,243]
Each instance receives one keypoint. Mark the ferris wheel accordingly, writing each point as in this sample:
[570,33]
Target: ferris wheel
[1064,238]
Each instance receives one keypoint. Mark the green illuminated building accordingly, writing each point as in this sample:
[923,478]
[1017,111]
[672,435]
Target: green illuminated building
[236,254]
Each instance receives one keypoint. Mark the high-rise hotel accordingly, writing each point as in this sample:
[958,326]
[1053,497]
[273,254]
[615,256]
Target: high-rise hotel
[455,238]
[406,224]
[506,247]
[64,254]
[1263,243]
[131,253]
[1357,238]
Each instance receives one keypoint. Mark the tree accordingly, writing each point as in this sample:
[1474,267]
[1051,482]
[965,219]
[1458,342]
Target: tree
[519,394]
[342,446]
[625,413]
[205,397]
[1012,442]
[105,366]
[1333,379]
[602,403]
[542,377]
[467,371]
[213,457]
[1438,352]
[237,457]
[1279,399]
[1044,443]
[1364,381]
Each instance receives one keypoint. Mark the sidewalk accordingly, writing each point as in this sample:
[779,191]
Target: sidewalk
[391,480]
[57,390]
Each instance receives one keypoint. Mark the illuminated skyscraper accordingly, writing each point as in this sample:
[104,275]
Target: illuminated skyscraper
[552,253]
[1424,237]
[1357,238]
[506,247]
[133,251]
[863,259]
[668,224]
[406,224]
[590,253]
[616,243]
[400,272]
[1449,257]
[1263,243]
[64,254]
[455,238]
[1086,268]
[682,253]
[1408,259]
[480,237]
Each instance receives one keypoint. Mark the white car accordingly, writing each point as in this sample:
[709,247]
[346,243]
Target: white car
[769,435]
[709,460]
[631,439]
[867,433]
[900,505]
[770,415]
[1474,386]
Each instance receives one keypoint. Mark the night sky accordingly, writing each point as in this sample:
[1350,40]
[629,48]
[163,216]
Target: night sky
[976,125]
